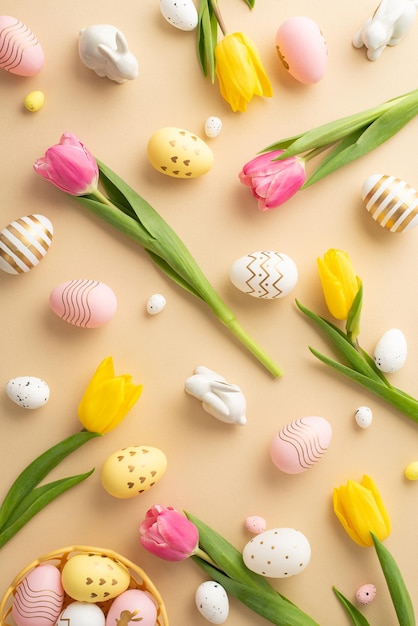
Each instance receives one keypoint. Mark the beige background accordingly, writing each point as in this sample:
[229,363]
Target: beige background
[218,472]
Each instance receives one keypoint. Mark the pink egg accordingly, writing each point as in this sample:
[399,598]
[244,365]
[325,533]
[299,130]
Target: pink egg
[39,597]
[302,49]
[300,444]
[366,593]
[20,51]
[132,607]
[255,524]
[85,303]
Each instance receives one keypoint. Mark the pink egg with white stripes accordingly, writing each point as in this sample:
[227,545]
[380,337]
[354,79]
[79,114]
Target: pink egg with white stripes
[39,597]
[20,51]
[299,445]
[85,303]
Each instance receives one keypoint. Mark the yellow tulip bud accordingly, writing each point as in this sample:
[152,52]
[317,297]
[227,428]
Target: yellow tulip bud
[107,399]
[339,281]
[360,509]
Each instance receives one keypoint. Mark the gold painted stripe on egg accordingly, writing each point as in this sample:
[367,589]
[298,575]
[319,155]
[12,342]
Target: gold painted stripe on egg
[10,261]
[29,245]
[42,226]
[404,211]
[20,254]
[37,234]
[373,190]
[406,219]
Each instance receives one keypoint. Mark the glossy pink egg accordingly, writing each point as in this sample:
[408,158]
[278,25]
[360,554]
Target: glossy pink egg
[132,607]
[20,51]
[302,49]
[39,597]
[366,593]
[85,303]
[299,445]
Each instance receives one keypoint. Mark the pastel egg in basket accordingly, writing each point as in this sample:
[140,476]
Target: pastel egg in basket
[136,596]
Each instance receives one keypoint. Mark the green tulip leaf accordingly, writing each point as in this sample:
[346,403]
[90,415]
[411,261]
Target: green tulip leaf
[356,616]
[36,500]
[273,607]
[396,585]
[227,557]
[37,470]
[207,37]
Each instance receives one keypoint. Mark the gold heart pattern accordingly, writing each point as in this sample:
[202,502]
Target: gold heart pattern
[133,470]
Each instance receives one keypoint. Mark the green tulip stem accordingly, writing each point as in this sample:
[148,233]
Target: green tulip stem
[129,213]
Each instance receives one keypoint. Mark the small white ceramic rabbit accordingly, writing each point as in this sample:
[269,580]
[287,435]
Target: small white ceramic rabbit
[386,27]
[219,398]
[103,48]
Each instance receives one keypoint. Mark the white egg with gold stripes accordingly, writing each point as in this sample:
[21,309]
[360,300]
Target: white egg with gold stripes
[391,202]
[24,243]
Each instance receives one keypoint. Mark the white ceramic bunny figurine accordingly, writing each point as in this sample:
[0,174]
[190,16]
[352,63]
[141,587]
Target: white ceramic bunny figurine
[219,398]
[104,49]
[386,27]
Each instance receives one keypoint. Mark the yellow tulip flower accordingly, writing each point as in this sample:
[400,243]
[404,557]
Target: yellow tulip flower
[360,509]
[240,72]
[339,281]
[107,399]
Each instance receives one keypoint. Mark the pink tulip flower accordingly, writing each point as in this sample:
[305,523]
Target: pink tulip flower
[69,166]
[273,182]
[168,534]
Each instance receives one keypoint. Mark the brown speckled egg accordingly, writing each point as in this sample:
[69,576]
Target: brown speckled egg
[128,472]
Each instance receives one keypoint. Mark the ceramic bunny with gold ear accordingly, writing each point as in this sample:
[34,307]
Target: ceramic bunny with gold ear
[104,49]
[223,400]
[389,23]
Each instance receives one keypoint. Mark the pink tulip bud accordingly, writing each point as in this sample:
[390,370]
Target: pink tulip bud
[69,166]
[273,182]
[168,534]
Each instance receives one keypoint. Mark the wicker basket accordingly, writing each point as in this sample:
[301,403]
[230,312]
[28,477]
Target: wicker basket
[139,580]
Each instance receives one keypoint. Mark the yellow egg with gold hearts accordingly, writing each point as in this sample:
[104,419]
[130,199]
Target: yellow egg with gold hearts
[94,577]
[178,153]
[34,101]
[128,472]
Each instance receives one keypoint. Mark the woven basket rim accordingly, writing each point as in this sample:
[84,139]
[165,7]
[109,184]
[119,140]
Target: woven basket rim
[61,554]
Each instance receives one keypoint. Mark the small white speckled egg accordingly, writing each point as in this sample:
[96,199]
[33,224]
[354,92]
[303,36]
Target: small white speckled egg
[391,351]
[29,392]
[255,524]
[302,49]
[155,304]
[366,593]
[212,602]
[411,471]
[264,274]
[24,243]
[213,126]
[363,416]
[34,101]
[181,14]
[178,153]
[128,472]
[81,614]
[277,553]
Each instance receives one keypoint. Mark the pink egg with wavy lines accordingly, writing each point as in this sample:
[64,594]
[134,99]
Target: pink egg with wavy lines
[20,51]
[39,598]
[133,607]
[299,445]
[85,303]
[302,49]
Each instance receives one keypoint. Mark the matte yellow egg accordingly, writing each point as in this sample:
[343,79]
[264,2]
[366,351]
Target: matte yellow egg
[94,578]
[34,101]
[411,472]
[178,153]
[131,471]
